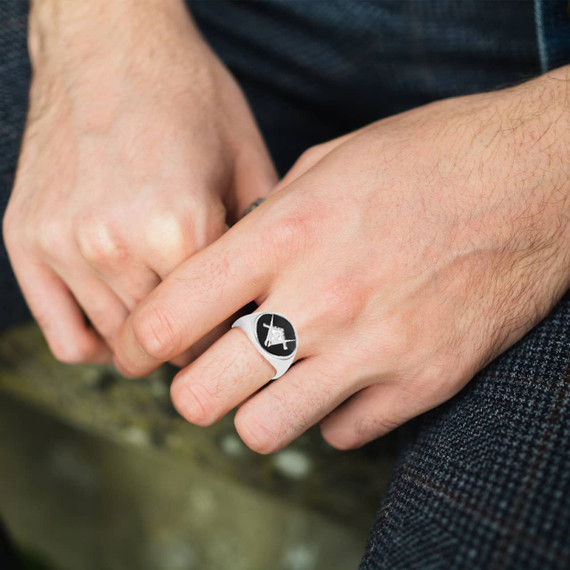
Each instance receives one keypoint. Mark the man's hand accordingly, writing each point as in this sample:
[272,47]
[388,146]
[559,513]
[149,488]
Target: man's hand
[138,146]
[407,255]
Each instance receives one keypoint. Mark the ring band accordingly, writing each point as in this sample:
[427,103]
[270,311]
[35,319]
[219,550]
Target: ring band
[252,207]
[274,337]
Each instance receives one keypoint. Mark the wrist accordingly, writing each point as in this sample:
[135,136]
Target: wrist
[67,33]
[93,57]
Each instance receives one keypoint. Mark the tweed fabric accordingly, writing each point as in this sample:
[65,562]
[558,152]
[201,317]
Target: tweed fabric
[482,481]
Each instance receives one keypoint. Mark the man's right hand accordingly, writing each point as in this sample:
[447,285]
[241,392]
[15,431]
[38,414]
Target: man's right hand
[139,146]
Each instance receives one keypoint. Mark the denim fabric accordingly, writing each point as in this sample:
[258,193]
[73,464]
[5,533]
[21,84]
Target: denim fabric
[14,82]
[482,481]
[553,32]
[315,70]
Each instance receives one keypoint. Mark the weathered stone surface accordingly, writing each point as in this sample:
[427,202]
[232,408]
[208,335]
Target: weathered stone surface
[166,494]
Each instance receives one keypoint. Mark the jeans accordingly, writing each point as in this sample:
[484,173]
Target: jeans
[483,481]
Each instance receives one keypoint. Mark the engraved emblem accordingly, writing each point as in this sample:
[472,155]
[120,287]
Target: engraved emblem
[276,335]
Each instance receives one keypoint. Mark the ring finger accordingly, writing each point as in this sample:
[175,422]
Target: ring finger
[220,379]
[224,375]
[232,370]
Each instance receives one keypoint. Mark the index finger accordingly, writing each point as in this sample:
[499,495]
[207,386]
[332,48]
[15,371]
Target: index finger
[201,293]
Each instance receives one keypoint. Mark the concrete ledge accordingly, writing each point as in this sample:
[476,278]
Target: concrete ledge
[329,497]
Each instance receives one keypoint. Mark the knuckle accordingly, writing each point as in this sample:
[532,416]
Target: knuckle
[192,404]
[98,242]
[287,233]
[367,428]
[168,234]
[350,434]
[310,156]
[180,233]
[256,434]
[439,377]
[154,331]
